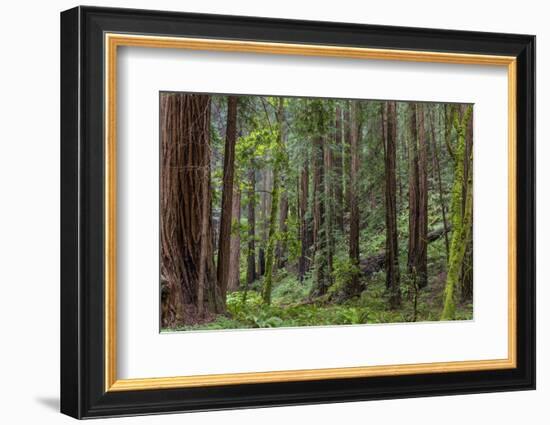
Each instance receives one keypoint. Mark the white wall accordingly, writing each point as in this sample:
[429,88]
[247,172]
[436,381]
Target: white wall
[29,224]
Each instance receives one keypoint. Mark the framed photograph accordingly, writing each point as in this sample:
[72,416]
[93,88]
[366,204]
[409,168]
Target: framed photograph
[261,212]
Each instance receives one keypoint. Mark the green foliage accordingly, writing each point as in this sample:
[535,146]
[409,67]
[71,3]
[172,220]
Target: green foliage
[290,307]
[342,273]
[260,148]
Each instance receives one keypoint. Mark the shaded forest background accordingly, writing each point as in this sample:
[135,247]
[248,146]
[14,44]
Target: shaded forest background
[304,211]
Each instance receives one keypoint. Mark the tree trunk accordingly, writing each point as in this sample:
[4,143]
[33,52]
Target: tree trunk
[354,285]
[234,283]
[437,170]
[329,215]
[264,208]
[346,156]
[187,267]
[281,244]
[462,224]
[392,249]
[251,255]
[422,248]
[224,244]
[319,232]
[338,183]
[270,249]
[305,233]
[413,195]
[467,273]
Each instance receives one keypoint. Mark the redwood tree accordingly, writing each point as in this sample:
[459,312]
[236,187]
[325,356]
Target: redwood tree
[392,249]
[235,244]
[353,287]
[227,195]
[251,217]
[305,225]
[187,268]
[422,243]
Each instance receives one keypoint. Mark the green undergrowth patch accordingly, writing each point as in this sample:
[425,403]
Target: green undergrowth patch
[292,306]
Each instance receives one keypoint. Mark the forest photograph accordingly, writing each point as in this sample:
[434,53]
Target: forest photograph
[292,211]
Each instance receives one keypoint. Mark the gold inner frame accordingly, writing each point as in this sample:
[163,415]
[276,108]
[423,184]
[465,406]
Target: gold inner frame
[113,41]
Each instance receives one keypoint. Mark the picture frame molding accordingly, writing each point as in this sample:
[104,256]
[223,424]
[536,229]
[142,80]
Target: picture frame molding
[89,40]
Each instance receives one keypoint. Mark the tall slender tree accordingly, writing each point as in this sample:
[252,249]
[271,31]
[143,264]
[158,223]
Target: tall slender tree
[354,286]
[251,218]
[467,272]
[422,243]
[224,244]
[275,193]
[338,170]
[305,225]
[329,206]
[413,195]
[233,283]
[437,170]
[462,224]
[392,249]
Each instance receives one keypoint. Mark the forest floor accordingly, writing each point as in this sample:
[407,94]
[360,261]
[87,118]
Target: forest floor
[292,306]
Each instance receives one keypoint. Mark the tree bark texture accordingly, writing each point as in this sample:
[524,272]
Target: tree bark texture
[275,194]
[414,205]
[234,283]
[462,224]
[354,285]
[305,223]
[437,170]
[224,244]
[392,249]
[251,212]
[422,247]
[187,267]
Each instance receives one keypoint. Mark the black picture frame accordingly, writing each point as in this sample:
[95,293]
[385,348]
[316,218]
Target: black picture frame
[83,392]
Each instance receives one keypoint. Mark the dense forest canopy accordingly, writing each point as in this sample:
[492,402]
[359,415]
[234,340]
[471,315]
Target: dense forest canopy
[279,211]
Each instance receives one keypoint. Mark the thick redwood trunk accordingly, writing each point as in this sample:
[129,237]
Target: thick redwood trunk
[187,267]
[227,196]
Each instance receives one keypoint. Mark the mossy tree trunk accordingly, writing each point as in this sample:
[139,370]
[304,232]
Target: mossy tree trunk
[462,224]
[466,275]
[233,283]
[275,195]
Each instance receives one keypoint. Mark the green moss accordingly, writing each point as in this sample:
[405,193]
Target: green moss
[461,224]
